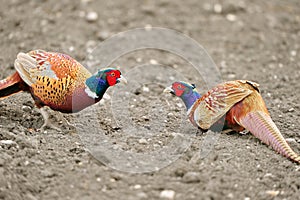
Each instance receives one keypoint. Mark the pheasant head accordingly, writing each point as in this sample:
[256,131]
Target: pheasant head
[97,84]
[187,92]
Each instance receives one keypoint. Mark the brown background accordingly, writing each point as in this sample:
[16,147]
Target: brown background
[260,44]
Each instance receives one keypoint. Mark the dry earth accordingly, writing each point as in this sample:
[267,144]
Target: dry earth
[254,40]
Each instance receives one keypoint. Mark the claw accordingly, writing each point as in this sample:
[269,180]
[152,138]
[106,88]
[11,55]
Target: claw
[47,122]
[47,125]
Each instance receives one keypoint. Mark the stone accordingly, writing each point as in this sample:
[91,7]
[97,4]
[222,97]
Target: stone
[191,177]
[91,16]
[167,194]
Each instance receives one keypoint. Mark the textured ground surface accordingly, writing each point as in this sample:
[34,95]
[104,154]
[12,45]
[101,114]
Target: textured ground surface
[252,40]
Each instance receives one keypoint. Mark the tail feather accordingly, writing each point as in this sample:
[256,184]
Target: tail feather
[11,85]
[262,126]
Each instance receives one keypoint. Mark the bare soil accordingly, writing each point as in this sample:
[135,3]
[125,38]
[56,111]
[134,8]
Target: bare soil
[254,40]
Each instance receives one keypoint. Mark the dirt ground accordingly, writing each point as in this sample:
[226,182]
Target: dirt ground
[254,40]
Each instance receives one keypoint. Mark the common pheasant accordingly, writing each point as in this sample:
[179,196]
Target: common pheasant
[235,105]
[58,81]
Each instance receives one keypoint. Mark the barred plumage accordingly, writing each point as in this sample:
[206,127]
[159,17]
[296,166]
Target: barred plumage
[263,127]
[242,107]
[58,81]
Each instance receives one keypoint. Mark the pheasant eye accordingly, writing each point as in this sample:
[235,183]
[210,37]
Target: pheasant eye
[113,74]
[179,87]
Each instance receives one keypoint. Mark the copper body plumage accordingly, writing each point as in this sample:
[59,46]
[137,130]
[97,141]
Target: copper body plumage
[58,81]
[238,105]
[54,80]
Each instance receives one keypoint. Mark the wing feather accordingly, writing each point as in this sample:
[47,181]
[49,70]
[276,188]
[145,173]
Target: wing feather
[217,102]
[40,63]
[51,76]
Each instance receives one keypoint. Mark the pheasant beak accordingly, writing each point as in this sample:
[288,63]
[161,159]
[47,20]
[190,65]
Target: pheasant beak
[122,80]
[169,90]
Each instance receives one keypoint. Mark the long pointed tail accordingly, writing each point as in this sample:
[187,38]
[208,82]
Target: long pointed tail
[11,85]
[262,126]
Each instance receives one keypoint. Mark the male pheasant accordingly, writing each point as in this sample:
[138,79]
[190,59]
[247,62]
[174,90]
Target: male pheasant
[235,105]
[58,81]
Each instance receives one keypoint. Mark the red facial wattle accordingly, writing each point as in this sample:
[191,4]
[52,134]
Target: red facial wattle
[112,77]
[178,89]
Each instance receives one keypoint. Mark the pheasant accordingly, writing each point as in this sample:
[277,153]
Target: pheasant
[235,105]
[58,81]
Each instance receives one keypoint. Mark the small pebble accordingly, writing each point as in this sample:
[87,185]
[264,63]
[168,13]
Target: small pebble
[290,140]
[291,110]
[179,105]
[293,53]
[223,64]
[7,142]
[167,194]
[112,180]
[102,35]
[91,16]
[26,108]
[145,118]
[191,177]
[272,193]
[148,27]
[231,17]
[153,62]
[44,22]
[146,89]
[268,175]
[143,141]
[71,48]
[218,8]
[137,187]
[172,78]
[231,76]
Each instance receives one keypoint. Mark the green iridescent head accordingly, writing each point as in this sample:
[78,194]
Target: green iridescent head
[98,83]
